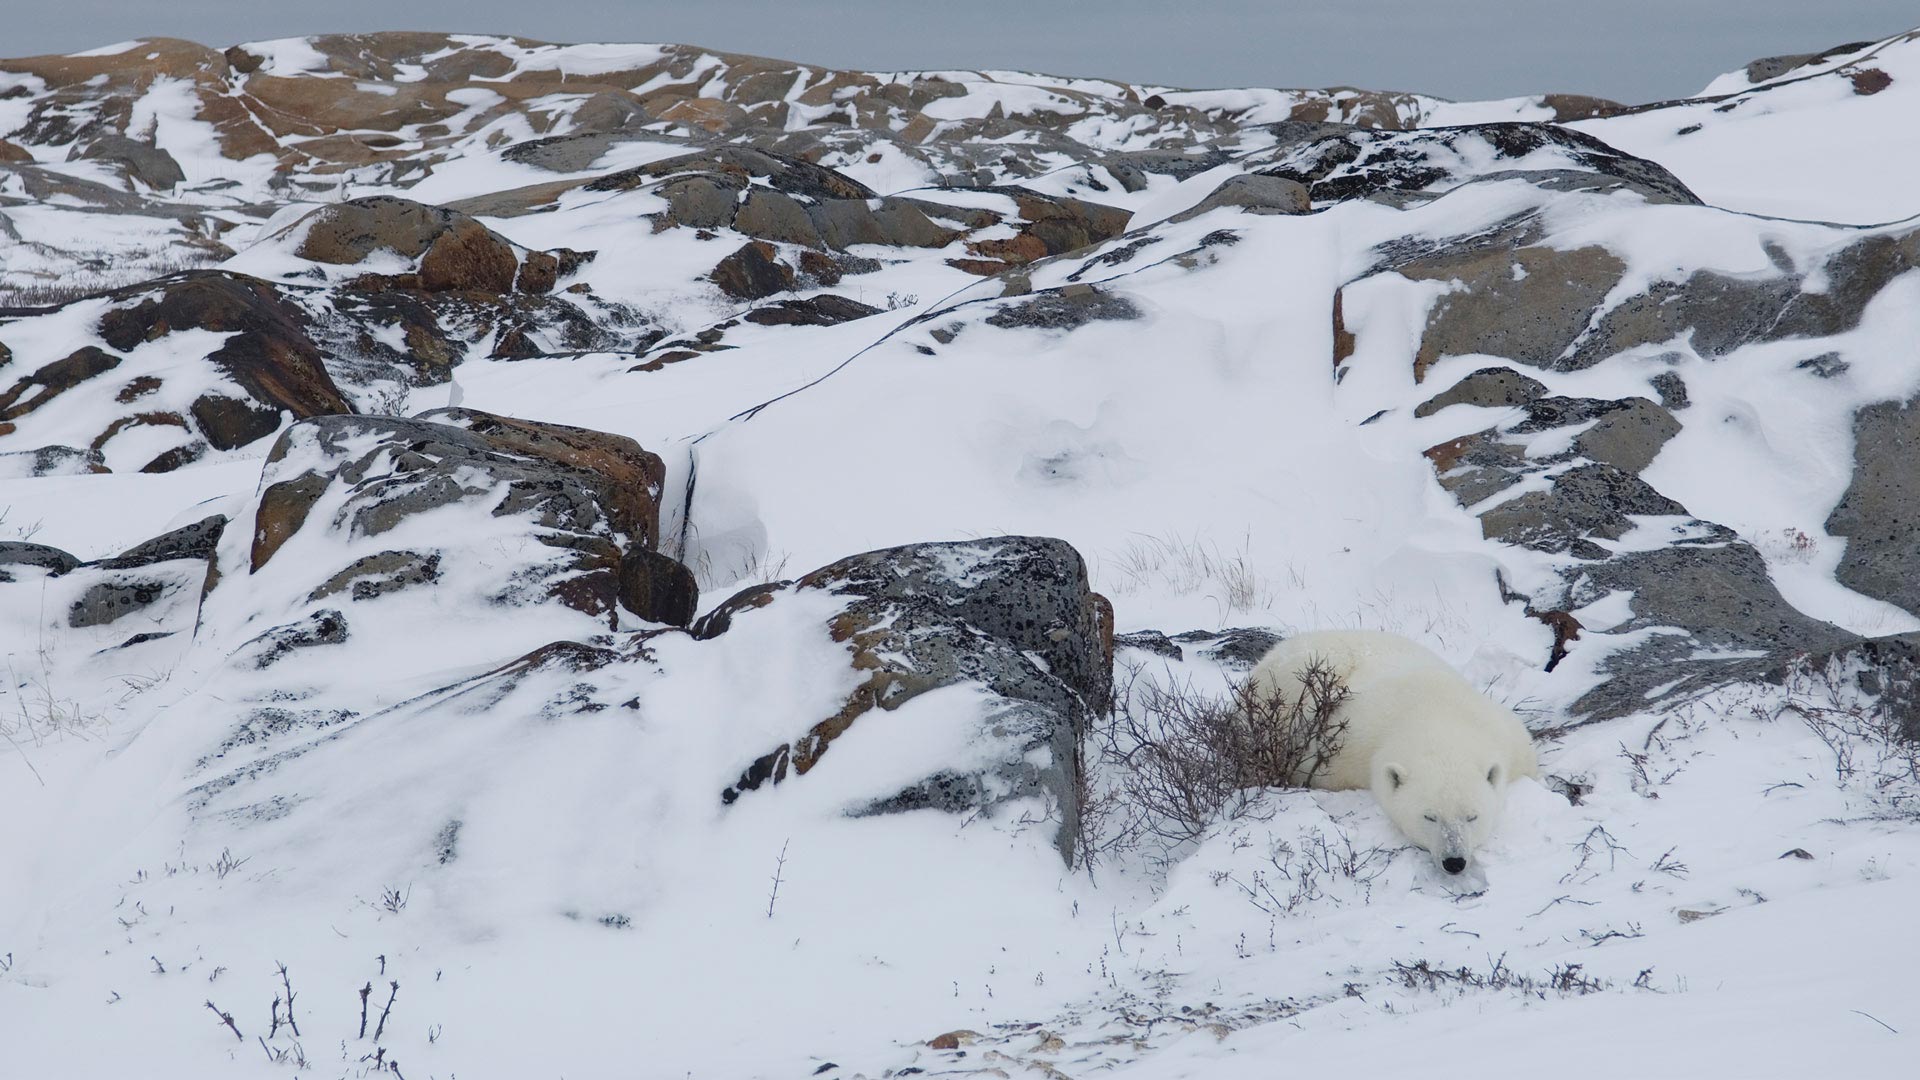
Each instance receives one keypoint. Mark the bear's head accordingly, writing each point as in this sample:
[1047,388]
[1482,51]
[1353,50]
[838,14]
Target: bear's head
[1449,808]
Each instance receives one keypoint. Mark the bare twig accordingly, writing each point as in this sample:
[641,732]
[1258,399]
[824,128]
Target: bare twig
[392,993]
[288,985]
[227,1019]
[779,865]
[1877,1020]
[364,991]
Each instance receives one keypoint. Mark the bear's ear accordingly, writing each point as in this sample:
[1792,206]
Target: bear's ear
[1493,776]
[1396,775]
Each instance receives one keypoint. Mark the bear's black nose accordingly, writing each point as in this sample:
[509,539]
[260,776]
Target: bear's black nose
[1453,864]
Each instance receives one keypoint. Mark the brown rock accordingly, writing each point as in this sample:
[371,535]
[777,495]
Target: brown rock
[269,355]
[753,272]
[657,588]
[55,379]
[538,273]
[469,257]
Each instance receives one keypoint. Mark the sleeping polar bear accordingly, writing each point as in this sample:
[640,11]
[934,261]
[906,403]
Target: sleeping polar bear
[1437,754]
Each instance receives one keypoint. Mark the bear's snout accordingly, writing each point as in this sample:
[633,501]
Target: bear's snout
[1453,864]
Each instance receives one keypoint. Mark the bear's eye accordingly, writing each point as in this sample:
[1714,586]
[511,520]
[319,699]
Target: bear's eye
[1430,817]
[1473,817]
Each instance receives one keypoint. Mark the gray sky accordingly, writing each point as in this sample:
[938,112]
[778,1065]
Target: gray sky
[1632,50]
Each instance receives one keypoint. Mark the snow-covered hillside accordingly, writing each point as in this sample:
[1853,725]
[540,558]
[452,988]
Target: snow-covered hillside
[627,561]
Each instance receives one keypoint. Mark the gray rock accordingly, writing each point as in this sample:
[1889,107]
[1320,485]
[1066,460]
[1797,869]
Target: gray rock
[1672,390]
[1361,162]
[200,540]
[1585,501]
[1493,387]
[118,596]
[774,215]
[379,574]
[324,627]
[1150,641]
[1255,194]
[1066,308]
[1013,614]
[1625,434]
[591,497]
[145,162]
[1879,514]
[40,556]
[1238,649]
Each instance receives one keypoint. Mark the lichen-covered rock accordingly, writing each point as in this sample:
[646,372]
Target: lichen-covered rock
[590,499]
[270,353]
[1363,163]
[1013,614]
[1879,515]
[658,588]
[754,272]
[1255,194]
[17,553]
[143,161]
[1066,308]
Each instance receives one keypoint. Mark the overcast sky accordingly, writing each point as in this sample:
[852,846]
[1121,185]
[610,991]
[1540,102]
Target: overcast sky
[1632,50]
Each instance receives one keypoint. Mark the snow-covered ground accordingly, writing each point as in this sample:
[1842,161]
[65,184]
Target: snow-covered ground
[458,869]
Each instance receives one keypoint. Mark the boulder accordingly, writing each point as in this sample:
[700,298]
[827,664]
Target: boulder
[1011,614]
[753,272]
[658,588]
[1879,514]
[1350,163]
[591,500]
[144,162]
[1255,194]
[270,354]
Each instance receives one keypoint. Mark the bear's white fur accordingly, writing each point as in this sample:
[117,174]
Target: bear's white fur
[1436,753]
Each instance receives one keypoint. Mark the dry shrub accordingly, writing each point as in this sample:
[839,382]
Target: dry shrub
[1182,757]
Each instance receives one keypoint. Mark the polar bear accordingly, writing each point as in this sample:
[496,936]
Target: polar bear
[1437,754]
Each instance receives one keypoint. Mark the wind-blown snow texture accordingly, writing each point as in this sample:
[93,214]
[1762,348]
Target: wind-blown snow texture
[1266,358]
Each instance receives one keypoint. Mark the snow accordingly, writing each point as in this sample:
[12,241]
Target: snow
[540,858]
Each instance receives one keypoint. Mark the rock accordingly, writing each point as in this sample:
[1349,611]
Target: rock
[1723,600]
[450,251]
[1150,641]
[144,162]
[229,423]
[1672,390]
[469,257]
[754,272]
[1529,304]
[1362,163]
[592,498]
[1066,308]
[107,601]
[53,379]
[270,354]
[1238,649]
[200,540]
[1585,501]
[380,574]
[1013,614]
[824,310]
[50,461]
[1494,387]
[15,553]
[1254,193]
[658,588]
[324,627]
[1626,434]
[1879,514]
